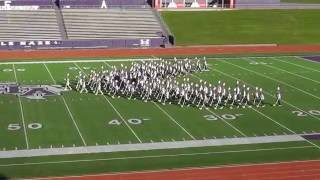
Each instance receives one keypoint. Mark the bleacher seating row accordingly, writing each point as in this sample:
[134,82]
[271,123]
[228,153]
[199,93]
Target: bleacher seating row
[78,24]
[29,25]
[110,23]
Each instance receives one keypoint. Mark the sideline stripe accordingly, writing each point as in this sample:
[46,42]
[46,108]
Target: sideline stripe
[118,113]
[170,117]
[123,60]
[307,60]
[271,79]
[155,156]
[21,110]
[298,65]
[233,127]
[67,107]
[185,169]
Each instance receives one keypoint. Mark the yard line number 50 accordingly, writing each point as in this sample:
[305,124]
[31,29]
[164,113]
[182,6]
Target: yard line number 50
[33,126]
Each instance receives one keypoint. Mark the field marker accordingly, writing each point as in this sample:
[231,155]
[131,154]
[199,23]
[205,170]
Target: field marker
[21,110]
[67,107]
[268,94]
[279,124]
[272,79]
[293,74]
[118,113]
[298,65]
[155,156]
[170,117]
[233,127]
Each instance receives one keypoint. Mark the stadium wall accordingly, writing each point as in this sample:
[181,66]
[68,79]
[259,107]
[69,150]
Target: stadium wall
[72,44]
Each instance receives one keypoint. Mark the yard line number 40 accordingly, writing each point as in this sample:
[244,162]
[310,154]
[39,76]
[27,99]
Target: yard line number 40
[132,121]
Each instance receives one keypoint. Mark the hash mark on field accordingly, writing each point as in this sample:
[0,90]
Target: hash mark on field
[117,112]
[67,108]
[21,110]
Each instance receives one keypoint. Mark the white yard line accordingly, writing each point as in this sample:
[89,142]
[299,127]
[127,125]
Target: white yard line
[280,69]
[307,93]
[67,108]
[21,111]
[298,65]
[155,156]
[229,124]
[168,115]
[285,127]
[171,118]
[293,106]
[276,122]
[118,113]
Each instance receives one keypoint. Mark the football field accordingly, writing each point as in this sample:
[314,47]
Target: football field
[74,120]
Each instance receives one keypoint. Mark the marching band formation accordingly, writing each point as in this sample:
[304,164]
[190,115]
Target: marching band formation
[168,81]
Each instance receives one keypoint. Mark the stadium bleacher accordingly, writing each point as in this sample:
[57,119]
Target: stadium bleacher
[110,23]
[29,25]
[79,24]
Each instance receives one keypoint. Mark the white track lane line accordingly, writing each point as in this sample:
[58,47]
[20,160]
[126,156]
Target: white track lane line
[167,114]
[118,113]
[298,65]
[276,122]
[67,108]
[186,169]
[156,156]
[312,95]
[229,124]
[21,110]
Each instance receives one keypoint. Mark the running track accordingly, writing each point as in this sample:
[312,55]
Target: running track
[203,50]
[299,170]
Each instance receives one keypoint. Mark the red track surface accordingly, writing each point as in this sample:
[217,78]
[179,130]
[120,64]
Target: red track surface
[90,53]
[282,171]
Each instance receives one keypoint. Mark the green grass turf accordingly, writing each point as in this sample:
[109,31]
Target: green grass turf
[244,27]
[302,1]
[299,80]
